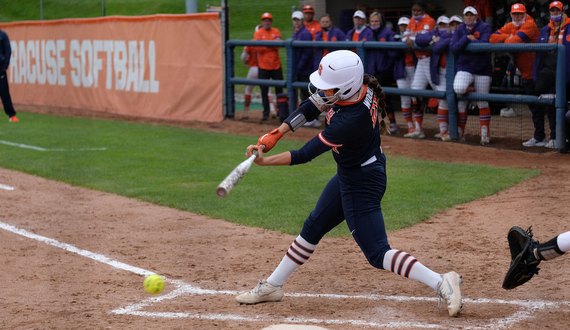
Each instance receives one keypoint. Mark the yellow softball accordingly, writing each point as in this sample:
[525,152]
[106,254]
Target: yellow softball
[153,284]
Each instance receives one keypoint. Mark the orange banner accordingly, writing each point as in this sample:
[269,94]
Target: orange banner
[159,66]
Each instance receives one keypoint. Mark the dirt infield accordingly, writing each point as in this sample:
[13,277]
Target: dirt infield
[76,258]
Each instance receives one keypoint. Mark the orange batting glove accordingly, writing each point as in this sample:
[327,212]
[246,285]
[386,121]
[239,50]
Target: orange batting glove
[270,139]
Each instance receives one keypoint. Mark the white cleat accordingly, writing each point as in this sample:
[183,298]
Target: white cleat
[485,140]
[415,135]
[445,137]
[263,292]
[449,290]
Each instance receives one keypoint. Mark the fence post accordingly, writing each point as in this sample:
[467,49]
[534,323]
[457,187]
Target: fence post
[560,101]
[290,75]
[230,89]
[361,51]
[450,94]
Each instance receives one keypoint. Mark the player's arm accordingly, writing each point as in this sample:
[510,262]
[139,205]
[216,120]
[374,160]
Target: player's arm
[525,34]
[309,151]
[307,111]
[281,159]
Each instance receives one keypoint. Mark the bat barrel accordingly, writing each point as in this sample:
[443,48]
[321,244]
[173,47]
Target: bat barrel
[235,176]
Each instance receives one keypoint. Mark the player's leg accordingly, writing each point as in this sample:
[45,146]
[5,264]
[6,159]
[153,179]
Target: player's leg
[264,74]
[537,111]
[406,83]
[251,74]
[442,107]
[278,75]
[460,84]
[554,248]
[421,80]
[362,190]
[326,215]
[5,96]
[482,84]
[546,88]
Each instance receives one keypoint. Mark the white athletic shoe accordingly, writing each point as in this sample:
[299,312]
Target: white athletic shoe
[485,140]
[263,292]
[508,112]
[551,144]
[449,290]
[415,135]
[437,136]
[445,137]
[534,143]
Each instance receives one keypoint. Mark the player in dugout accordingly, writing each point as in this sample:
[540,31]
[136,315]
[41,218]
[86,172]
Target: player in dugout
[268,60]
[523,29]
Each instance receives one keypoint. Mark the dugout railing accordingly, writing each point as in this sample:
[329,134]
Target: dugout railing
[363,46]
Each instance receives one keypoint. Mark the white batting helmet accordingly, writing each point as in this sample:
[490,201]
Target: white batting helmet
[341,71]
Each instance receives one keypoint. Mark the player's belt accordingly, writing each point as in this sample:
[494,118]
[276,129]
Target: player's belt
[371,159]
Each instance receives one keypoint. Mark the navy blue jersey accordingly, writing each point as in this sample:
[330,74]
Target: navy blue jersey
[351,132]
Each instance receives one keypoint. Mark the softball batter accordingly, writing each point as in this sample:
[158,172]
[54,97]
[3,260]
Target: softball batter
[352,101]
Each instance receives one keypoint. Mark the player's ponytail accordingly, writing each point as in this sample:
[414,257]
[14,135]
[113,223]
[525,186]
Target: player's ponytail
[372,82]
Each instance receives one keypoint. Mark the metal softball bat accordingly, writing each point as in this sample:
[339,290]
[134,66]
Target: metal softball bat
[235,176]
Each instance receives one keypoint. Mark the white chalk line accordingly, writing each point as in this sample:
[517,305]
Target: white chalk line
[182,288]
[5,187]
[19,145]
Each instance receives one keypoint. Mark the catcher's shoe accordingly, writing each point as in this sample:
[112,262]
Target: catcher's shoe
[263,292]
[450,290]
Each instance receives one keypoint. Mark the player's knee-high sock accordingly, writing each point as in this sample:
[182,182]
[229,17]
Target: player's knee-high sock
[391,118]
[418,115]
[408,117]
[246,101]
[443,119]
[485,120]
[271,103]
[462,117]
[405,265]
[299,252]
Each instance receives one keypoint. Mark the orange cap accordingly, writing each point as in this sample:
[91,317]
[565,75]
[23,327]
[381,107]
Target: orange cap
[518,8]
[556,4]
[308,9]
[266,15]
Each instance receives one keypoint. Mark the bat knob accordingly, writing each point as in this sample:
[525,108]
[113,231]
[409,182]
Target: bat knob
[221,192]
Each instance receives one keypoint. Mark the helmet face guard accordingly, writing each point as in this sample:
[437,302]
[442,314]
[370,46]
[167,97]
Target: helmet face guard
[339,76]
[329,97]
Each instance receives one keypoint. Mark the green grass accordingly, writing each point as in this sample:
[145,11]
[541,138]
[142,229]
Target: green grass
[244,15]
[181,168]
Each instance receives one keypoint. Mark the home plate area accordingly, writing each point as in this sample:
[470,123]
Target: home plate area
[313,311]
